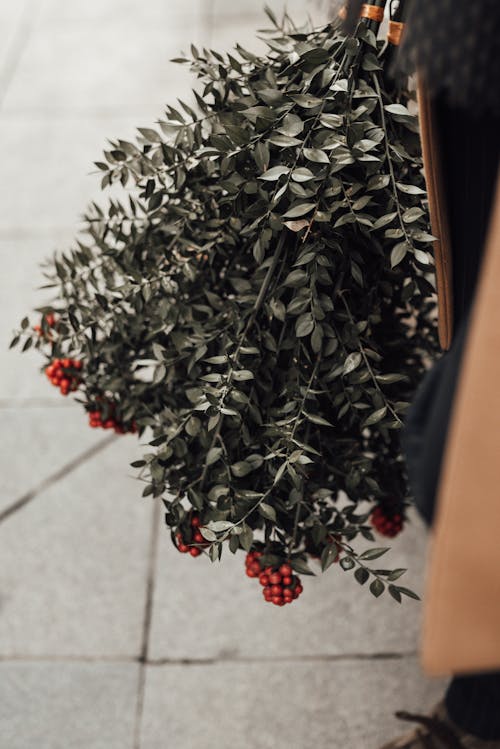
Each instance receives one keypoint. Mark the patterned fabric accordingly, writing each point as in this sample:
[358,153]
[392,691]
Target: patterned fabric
[456,45]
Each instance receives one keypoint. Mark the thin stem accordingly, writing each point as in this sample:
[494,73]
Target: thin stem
[367,363]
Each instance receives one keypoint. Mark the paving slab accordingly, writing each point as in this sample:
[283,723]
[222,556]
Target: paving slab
[205,610]
[283,705]
[95,69]
[249,10]
[37,443]
[56,178]
[20,376]
[119,13]
[73,563]
[67,705]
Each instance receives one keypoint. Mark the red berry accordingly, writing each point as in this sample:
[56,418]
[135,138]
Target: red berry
[276,590]
[198,538]
[251,573]
[275,578]
[285,570]
[264,579]
[287,581]
[385,524]
[183,548]
[194,551]
[195,521]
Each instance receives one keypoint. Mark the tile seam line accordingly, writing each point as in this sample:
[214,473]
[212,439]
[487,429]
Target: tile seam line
[55,477]
[242,660]
[19,43]
[147,622]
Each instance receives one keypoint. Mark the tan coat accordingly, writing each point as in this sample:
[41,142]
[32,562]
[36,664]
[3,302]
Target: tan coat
[461,606]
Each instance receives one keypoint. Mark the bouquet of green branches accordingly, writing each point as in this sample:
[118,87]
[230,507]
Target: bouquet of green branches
[259,307]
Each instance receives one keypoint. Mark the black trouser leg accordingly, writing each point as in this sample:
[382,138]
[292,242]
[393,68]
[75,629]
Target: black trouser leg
[470,151]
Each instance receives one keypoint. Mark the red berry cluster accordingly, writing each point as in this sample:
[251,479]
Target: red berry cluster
[252,563]
[196,538]
[385,523]
[110,421]
[64,374]
[280,585]
[50,321]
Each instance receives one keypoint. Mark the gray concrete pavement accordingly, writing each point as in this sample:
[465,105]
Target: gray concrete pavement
[108,637]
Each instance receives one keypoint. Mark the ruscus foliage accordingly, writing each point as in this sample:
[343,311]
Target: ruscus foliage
[259,306]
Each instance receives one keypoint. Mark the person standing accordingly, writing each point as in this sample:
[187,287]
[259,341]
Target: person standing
[451,437]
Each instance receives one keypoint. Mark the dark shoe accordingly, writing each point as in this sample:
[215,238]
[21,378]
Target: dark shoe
[437,731]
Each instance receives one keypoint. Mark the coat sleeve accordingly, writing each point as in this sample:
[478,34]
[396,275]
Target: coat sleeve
[461,609]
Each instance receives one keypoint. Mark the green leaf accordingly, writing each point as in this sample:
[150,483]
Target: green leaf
[408,592]
[398,253]
[267,511]
[242,375]
[328,556]
[246,537]
[300,566]
[375,417]
[410,189]
[352,362]
[316,155]
[307,101]
[208,534]
[394,592]
[395,574]
[304,325]
[361,574]
[299,210]
[384,220]
[377,587]
[242,468]
[347,563]
[219,526]
[398,109]
[302,174]
[317,419]
[150,135]
[422,257]
[373,553]
[291,125]
[213,455]
[412,214]
[271,175]
[284,141]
